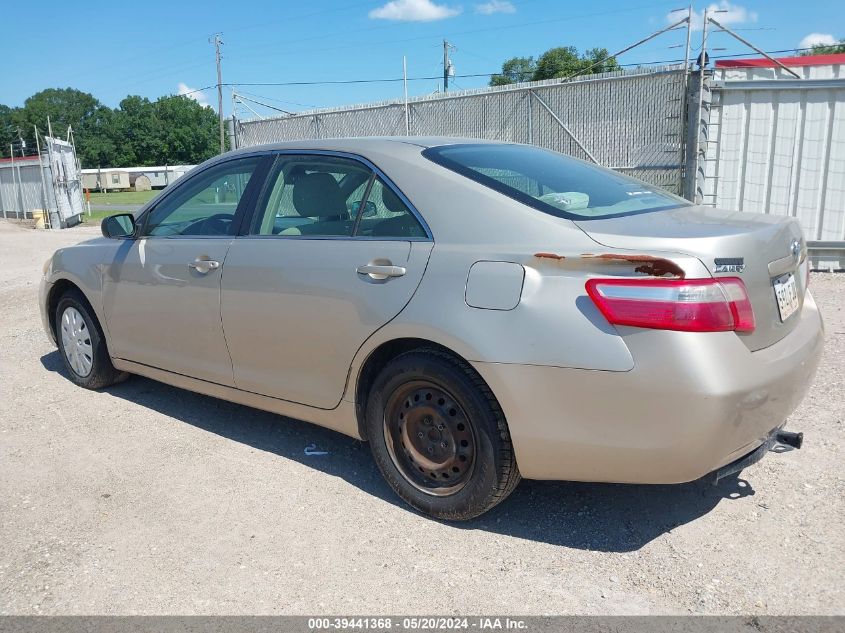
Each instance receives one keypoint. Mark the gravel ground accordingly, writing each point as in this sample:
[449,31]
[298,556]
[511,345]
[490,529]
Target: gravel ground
[146,499]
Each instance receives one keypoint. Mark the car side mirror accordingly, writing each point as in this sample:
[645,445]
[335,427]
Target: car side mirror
[118,226]
[370,209]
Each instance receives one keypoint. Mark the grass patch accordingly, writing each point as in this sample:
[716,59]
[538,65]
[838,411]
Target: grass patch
[97,215]
[104,199]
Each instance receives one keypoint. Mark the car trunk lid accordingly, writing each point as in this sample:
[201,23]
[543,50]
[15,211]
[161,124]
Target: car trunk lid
[762,250]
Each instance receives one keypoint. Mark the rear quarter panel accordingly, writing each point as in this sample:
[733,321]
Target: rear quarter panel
[554,324]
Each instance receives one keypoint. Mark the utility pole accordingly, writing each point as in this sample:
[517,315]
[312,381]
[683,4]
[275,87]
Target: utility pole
[687,47]
[447,66]
[215,39]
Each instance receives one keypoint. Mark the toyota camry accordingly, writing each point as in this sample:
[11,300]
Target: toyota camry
[476,311]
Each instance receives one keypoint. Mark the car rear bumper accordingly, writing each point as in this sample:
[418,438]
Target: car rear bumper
[692,404]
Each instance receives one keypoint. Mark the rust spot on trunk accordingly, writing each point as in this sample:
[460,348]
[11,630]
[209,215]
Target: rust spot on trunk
[549,256]
[649,265]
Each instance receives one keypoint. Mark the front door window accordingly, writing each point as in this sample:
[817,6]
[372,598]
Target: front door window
[206,205]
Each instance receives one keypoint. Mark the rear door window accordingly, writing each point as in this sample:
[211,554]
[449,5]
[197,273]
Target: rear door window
[331,196]
[385,215]
[312,196]
[551,182]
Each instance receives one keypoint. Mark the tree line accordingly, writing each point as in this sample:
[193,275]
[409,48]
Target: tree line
[139,132]
[555,63]
[826,49]
[565,61]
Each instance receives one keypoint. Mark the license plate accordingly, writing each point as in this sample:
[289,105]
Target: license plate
[786,293]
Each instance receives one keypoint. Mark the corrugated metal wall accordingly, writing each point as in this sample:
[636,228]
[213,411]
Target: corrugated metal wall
[19,198]
[23,190]
[631,120]
[778,146]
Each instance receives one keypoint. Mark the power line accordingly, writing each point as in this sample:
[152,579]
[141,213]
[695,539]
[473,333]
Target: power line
[190,92]
[463,76]
[243,98]
[266,98]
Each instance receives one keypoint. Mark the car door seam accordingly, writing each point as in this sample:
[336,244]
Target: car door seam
[385,324]
[220,310]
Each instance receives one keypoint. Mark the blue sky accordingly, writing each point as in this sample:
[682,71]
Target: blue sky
[155,47]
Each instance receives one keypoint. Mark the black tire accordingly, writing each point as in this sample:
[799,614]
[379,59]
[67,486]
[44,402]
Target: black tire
[406,432]
[102,373]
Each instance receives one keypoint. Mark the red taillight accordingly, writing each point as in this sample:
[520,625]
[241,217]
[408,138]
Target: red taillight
[689,305]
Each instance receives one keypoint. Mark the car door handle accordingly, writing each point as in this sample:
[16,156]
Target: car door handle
[204,266]
[380,272]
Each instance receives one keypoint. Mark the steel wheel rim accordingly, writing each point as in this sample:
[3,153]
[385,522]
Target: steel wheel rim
[76,342]
[429,438]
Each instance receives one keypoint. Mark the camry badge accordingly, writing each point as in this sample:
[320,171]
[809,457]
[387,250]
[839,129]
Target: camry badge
[729,264]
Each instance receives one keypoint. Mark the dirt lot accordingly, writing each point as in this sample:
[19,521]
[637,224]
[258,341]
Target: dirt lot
[145,499]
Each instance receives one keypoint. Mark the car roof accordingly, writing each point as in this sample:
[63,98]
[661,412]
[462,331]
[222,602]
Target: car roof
[381,144]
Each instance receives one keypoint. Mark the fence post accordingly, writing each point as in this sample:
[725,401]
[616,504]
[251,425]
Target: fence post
[405,82]
[18,187]
[45,202]
[699,97]
[57,224]
[233,133]
[530,118]
[2,204]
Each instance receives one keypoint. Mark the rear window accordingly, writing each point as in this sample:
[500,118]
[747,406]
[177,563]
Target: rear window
[551,182]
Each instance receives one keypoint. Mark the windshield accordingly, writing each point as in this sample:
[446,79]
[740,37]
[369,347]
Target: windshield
[551,182]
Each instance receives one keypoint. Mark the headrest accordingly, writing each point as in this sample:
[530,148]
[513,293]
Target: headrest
[294,173]
[318,195]
[391,200]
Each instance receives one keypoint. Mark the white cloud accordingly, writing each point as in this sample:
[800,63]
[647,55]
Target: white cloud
[495,6]
[414,11]
[200,97]
[817,39]
[723,12]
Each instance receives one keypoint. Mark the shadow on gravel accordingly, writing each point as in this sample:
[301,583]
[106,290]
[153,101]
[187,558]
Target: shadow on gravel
[597,517]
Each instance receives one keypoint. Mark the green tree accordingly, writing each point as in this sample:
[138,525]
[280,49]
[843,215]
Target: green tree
[64,107]
[514,70]
[8,131]
[826,49]
[173,129]
[135,122]
[565,61]
[555,63]
[187,131]
[97,142]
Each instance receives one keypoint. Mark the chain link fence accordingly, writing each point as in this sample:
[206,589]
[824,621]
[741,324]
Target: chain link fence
[631,121]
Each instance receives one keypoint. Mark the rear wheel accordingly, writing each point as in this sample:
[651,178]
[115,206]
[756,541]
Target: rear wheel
[439,436]
[82,345]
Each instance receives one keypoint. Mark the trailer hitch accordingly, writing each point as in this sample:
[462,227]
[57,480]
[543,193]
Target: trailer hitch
[779,436]
[795,440]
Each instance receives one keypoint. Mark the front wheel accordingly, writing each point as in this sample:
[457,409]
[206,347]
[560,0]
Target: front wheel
[439,436]
[82,345]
